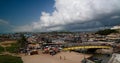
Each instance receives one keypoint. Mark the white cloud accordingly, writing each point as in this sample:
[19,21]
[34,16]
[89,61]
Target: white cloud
[115,17]
[24,28]
[73,11]
[3,22]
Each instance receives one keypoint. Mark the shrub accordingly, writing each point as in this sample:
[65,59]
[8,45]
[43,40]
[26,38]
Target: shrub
[13,48]
[1,49]
[10,59]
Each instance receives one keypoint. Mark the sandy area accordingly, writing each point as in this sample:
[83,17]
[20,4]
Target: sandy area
[63,57]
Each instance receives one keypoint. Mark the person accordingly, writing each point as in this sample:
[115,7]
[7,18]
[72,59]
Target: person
[53,53]
[26,52]
[60,57]
[84,60]
[64,58]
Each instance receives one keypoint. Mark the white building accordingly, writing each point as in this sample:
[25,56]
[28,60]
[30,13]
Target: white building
[115,58]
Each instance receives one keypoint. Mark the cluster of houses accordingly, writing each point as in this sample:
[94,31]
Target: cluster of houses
[53,43]
[36,40]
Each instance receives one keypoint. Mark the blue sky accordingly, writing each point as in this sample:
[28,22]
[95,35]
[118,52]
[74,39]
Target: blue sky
[56,15]
[21,12]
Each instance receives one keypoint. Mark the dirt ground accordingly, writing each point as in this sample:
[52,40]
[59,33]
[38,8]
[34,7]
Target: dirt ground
[7,43]
[62,57]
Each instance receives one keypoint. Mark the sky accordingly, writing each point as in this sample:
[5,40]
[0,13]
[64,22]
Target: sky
[58,15]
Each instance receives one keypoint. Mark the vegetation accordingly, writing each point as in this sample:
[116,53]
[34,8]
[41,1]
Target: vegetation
[22,42]
[1,49]
[106,32]
[13,48]
[10,59]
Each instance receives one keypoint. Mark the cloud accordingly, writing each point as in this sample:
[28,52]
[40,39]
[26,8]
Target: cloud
[73,12]
[115,17]
[5,26]
[3,22]
[24,28]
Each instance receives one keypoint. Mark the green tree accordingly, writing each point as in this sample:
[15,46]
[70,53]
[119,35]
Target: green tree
[106,32]
[22,42]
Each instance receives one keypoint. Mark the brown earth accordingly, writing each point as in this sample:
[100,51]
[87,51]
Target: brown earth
[7,43]
[62,57]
